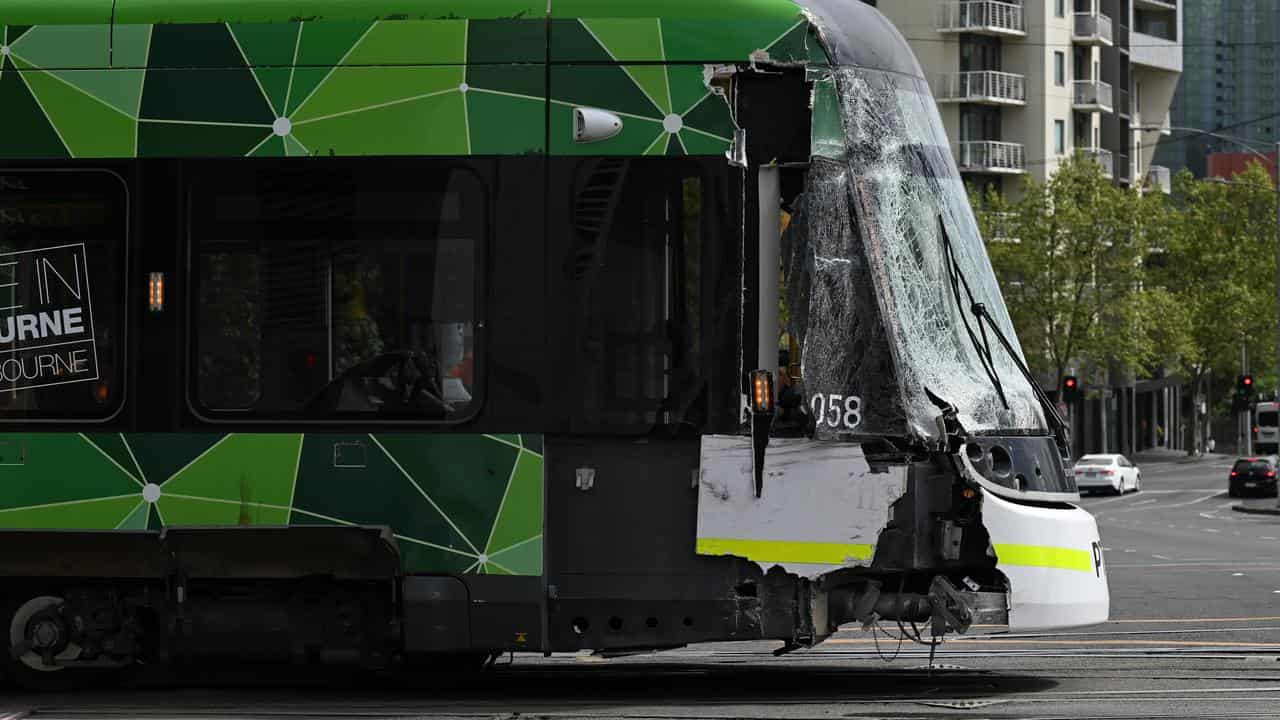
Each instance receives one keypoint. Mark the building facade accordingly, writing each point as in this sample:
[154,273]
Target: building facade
[1229,82]
[1023,85]
[1226,165]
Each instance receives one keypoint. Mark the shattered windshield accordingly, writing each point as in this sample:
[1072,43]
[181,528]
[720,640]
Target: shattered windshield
[887,159]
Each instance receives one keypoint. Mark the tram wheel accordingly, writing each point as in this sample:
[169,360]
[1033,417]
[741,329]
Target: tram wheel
[33,622]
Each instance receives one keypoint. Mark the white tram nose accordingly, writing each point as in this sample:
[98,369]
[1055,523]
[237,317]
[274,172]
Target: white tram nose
[1057,579]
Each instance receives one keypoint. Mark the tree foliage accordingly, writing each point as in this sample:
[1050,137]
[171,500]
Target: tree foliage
[1219,262]
[1069,256]
[1098,276]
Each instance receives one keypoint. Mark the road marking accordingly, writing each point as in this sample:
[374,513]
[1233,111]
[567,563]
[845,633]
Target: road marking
[1189,631]
[1192,502]
[1077,643]
[1212,530]
[1155,621]
[1265,537]
[1237,574]
[1161,557]
[1202,563]
[1161,492]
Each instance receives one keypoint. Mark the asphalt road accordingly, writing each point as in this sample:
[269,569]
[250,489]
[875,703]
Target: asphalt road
[1194,632]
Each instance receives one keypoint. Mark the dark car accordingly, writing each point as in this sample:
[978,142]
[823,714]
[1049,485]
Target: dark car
[1255,476]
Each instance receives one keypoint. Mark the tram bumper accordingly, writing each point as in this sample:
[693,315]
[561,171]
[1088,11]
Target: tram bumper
[1052,558]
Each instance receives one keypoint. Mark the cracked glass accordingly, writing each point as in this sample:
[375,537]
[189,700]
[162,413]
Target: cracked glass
[869,265]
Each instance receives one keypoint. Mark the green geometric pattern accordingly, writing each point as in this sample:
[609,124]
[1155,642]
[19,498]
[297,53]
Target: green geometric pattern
[349,87]
[456,503]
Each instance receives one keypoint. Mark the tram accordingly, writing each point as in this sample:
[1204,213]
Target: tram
[379,331]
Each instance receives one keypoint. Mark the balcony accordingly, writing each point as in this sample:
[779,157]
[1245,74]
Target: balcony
[983,17]
[1092,29]
[1092,96]
[1122,103]
[1159,178]
[1166,5]
[1156,52]
[990,156]
[984,87]
[1105,158]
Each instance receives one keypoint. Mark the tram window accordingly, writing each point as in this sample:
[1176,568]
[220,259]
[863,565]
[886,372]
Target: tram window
[329,290]
[63,241]
[650,305]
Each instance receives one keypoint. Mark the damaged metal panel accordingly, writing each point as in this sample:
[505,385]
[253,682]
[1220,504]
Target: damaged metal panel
[822,507]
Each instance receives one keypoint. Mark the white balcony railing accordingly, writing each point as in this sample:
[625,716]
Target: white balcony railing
[1105,158]
[990,156]
[1159,178]
[1093,95]
[982,16]
[988,87]
[1092,29]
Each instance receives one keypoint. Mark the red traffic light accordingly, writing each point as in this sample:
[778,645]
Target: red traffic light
[1070,382]
[1248,380]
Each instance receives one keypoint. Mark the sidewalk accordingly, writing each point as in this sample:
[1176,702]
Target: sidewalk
[1156,456]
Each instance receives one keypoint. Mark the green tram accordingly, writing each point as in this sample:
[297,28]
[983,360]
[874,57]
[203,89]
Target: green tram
[370,331]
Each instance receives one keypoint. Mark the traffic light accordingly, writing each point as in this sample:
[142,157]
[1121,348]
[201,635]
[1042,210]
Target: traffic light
[1244,386]
[1070,388]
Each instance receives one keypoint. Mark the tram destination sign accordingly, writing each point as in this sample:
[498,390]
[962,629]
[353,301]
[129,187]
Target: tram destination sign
[46,318]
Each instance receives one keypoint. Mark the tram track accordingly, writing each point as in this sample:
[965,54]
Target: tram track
[1173,685]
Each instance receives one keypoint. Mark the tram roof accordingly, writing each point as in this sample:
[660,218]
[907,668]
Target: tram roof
[45,12]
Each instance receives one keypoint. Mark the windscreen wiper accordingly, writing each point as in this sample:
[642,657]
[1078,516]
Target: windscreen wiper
[981,344]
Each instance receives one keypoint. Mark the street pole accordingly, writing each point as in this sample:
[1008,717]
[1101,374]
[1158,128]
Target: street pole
[1245,428]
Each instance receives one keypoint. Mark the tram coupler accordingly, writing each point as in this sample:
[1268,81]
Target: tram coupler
[945,606]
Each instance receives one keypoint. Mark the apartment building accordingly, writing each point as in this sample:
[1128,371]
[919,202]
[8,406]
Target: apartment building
[1023,84]
[1230,81]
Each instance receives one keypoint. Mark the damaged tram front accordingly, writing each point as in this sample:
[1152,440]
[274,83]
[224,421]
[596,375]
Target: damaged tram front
[429,328]
[899,457]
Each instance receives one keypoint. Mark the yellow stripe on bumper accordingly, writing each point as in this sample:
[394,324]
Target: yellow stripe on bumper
[786,551]
[819,553]
[1048,557]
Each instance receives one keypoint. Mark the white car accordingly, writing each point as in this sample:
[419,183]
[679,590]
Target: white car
[1112,473]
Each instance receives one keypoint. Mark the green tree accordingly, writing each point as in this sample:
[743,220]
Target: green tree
[1069,256]
[1217,265]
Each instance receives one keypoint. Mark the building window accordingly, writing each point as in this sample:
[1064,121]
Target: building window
[343,289]
[1060,8]
[1059,69]
[1059,137]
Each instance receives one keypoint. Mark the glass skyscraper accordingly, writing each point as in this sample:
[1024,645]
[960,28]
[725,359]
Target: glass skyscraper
[1229,80]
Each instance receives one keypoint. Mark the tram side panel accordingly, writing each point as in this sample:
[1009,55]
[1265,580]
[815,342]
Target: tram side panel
[101,515]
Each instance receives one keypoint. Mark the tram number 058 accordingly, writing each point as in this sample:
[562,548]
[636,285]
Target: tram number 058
[842,412]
